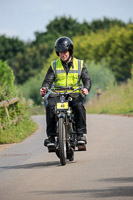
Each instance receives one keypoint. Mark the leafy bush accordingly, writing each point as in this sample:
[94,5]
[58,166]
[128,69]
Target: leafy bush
[7,90]
[11,132]
[7,87]
[101,77]
[31,89]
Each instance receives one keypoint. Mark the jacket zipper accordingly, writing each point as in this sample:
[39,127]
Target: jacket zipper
[66,79]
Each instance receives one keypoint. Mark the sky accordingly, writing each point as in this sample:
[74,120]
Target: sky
[22,18]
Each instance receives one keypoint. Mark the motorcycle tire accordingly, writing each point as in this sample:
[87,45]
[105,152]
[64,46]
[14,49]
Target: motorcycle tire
[62,142]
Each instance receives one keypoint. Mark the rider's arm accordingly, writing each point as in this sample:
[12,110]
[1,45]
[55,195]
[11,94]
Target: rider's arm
[85,78]
[49,78]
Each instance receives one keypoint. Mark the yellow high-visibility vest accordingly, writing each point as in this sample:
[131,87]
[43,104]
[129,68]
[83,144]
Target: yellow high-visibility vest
[70,79]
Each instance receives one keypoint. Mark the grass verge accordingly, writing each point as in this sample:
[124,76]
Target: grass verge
[18,132]
[118,100]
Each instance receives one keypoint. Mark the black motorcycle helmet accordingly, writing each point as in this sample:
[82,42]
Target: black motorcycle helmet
[64,44]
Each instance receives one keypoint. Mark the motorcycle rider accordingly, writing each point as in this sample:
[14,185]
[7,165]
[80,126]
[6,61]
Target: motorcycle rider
[66,71]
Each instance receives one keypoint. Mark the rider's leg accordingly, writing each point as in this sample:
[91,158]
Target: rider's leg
[50,120]
[80,118]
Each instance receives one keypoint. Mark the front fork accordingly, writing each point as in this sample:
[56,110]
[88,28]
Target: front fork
[68,127]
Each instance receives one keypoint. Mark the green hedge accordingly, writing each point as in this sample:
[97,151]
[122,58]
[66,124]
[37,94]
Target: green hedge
[11,132]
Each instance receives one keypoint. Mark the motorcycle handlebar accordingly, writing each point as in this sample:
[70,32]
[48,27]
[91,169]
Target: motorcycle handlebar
[66,88]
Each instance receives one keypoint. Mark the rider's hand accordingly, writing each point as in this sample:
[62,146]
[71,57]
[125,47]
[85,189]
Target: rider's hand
[84,91]
[43,91]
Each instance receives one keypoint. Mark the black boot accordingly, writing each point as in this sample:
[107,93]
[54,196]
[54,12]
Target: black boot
[50,141]
[81,139]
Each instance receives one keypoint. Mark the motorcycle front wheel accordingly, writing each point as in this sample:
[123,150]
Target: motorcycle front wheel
[62,142]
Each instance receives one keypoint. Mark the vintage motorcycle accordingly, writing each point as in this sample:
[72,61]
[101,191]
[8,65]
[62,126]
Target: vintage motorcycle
[66,140]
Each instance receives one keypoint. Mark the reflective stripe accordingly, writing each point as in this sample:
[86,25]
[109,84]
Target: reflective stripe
[79,67]
[71,71]
[63,71]
[60,71]
[79,71]
[54,66]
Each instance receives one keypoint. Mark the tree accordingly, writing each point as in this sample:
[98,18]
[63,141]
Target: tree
[9,47]
[114,45]
[106,24]
[28,64]
[27,59]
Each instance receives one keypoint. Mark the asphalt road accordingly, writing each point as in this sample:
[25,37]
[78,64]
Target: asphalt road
[104,171]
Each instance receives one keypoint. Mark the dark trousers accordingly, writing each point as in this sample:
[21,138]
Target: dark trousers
[79,111]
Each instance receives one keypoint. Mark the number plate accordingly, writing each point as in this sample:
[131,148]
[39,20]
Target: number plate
[62,106]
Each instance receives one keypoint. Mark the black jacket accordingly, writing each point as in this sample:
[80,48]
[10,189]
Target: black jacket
[50,76]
